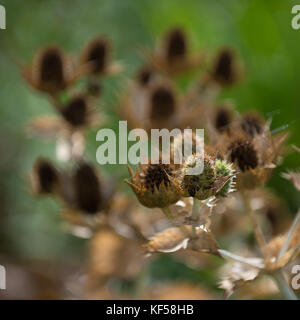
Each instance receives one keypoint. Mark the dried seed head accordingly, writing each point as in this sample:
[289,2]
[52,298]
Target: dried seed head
[49,70]
[252,124]
[75,112]
[224,69]
[223,118]
[199,186]
[97,53]
[244,154]
[162,102]
[45,177]
[154,175]
[154,186]
[144,76]
[176,47]
[87,189]
[94,88]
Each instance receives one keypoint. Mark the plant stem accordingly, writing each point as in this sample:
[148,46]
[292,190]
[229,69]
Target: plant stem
[167,213]
[252,262]
[283,286]
[256,228]
[289,237]
[195,211]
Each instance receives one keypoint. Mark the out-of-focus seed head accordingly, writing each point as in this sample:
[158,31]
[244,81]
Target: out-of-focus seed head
[176,46]
[87,189]
[162,103]
[223,118]
[45,177]
[97,54]
[144,76]
[94,88]
[50,71]
[76,111]
[252,124]
[224,70]
[244,154]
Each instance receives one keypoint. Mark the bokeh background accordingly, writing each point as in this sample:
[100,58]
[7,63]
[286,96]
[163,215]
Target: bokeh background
[260,32]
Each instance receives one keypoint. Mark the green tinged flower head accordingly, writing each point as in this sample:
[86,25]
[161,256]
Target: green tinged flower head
[224,168]
[200,185]
[216,178]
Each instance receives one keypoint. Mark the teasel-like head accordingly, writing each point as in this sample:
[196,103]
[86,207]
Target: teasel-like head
[78,112]
[51,71]
[88,189]
[154,184]
[144,76]
[225,71]
[253,157]
[45,178]
[223,116]
[206,184]
[252,123]
[161,103]
[96,58]
[172,55]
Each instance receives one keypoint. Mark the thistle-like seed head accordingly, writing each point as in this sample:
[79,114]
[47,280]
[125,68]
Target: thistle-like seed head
[252,124]
[223,118]
[97,55]
[144,76]
[50,71]
[154,185]
[224,70]
[162,103]
[45,177]
[87,189]
[176,47]
[200,186]
[243,153]
[76,111]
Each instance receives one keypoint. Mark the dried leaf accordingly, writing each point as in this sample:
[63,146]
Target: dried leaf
[174,239]
[236,275]
[169,240]
[204,242]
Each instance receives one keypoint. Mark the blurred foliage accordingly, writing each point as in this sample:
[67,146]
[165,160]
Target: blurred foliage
[259,30]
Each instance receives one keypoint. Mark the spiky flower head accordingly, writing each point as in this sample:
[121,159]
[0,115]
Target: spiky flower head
[154,184]
[51,71]
[206,184]
[224,169]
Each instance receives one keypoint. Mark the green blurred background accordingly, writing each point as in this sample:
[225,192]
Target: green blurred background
[260,31]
